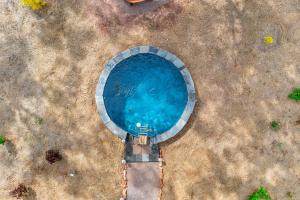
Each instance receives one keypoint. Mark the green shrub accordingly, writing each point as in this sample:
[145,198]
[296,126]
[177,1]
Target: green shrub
[275,125]
[295,95]
[39,121]
[261,194]
[2,139]
[290,195]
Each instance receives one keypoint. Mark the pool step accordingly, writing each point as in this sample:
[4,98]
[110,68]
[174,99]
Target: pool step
[141,158]
[141,153]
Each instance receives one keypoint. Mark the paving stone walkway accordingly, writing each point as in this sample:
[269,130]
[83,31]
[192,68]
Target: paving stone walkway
[143,181]
[143,171]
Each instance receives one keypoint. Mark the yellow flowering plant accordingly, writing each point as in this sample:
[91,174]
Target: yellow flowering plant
[33,4]
[268,40]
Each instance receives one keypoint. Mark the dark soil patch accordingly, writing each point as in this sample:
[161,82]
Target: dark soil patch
[20,191]
[53,156]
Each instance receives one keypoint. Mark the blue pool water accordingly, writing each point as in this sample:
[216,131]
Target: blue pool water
[145,94]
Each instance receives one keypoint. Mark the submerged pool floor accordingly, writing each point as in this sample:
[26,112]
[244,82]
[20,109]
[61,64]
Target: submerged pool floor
[145,94]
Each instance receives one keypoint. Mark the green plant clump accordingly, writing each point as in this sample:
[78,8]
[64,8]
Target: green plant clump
[33,4]
[261,194]
[295,95]
[39,121]
[275,125]
[2,139]
[290,195]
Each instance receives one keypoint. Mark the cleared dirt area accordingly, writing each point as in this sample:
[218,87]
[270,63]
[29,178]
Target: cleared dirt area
[50,62]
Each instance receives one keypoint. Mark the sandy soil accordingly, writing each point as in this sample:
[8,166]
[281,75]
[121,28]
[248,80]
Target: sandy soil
[50,62]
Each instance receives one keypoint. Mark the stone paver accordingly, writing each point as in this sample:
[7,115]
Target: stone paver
[141,153]
[143,181]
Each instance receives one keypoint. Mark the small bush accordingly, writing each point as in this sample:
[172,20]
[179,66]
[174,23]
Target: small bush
[275,125]
[33,4]
[2,139]
[261,194]
[39,121]
[290,195]
[295,95]
[268,40]
[53,156]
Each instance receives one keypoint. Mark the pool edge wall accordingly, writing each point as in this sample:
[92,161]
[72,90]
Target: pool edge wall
[164,54]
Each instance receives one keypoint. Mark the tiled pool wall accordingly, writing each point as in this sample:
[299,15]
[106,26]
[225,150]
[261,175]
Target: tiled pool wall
[164,54]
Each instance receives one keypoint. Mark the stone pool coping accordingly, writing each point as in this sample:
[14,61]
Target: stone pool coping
[164,54]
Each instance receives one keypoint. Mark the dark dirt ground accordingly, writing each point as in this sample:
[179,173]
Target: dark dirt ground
[50,62]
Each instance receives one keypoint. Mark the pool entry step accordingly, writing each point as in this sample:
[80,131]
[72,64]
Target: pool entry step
[139,150]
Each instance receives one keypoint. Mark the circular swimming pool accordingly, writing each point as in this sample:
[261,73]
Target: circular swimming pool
[145,91]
